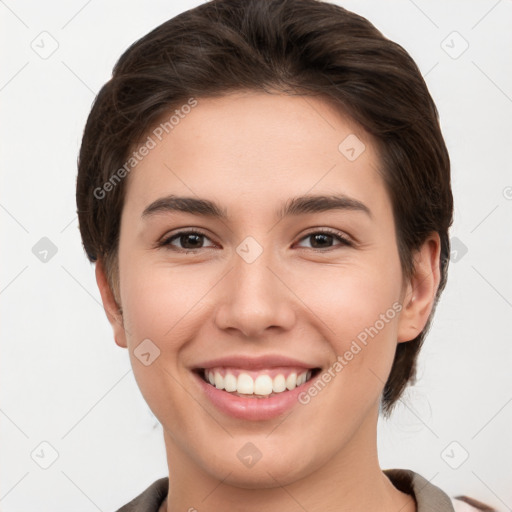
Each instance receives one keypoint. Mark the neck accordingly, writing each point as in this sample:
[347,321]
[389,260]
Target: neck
[351,481]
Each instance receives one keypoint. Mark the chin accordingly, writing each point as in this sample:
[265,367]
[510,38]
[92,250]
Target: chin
[266,476]
[273,469]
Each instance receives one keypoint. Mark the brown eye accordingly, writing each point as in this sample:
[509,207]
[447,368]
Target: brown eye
[324,239]
[189,240]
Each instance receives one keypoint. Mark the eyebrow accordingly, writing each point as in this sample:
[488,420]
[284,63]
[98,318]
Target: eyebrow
[294,206]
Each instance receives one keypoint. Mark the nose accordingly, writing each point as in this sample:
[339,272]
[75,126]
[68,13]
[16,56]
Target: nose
[255,298]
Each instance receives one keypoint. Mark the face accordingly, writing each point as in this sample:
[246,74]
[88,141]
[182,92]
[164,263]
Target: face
[275,287]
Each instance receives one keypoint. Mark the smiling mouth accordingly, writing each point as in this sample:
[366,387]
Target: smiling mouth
[256,384]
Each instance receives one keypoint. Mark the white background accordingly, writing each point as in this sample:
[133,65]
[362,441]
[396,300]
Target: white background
[63,379]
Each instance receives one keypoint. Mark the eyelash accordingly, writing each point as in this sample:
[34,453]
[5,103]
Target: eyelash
[166,242]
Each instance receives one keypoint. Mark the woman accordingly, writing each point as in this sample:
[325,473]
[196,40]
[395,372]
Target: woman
[265,190]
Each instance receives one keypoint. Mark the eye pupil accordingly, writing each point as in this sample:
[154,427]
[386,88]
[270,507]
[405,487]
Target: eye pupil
[190,241]
[186,237]
[322,237]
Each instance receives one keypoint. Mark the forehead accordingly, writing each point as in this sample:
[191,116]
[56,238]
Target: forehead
[258,146]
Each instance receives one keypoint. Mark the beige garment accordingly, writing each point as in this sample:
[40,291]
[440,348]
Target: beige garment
[429,498]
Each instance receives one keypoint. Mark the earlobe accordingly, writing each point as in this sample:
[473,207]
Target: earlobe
[421,290]
[112,309]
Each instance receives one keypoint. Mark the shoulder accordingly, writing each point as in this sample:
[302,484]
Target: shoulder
[150,499]
[428,497]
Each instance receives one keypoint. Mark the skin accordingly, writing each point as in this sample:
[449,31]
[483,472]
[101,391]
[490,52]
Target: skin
[250,152]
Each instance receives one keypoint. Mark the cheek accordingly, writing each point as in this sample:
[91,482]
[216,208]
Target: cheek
[161,302]
[157,306]
[357,310]
[349,299]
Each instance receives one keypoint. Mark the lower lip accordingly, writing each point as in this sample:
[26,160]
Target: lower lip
[253,409]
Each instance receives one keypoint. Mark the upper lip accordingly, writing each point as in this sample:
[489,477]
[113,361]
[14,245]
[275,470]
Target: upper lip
[254,363]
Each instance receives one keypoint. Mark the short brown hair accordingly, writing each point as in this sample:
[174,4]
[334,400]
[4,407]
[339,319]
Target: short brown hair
[294,47]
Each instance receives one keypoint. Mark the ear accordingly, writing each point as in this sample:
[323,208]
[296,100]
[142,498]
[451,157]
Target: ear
[420,290]
[112,309]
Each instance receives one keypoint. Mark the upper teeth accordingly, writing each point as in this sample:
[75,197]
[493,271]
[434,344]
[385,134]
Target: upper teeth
[263,384]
